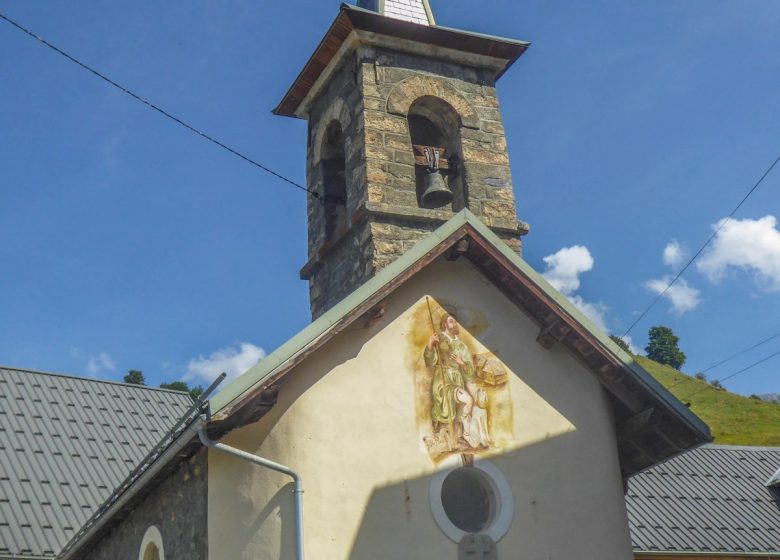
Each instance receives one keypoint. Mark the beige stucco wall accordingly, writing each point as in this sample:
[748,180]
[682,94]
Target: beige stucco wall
[346,421]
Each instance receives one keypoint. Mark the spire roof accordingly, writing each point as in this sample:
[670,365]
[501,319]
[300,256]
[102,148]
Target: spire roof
[415,11]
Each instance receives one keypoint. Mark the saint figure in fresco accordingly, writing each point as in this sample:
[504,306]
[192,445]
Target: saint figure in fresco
[459,404]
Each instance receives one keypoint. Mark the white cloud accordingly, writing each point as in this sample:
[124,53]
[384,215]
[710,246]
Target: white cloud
[674,254]
[563,272]
[233,360]
[681,295]
[631,346]
[596,312]
[565,266]
[95,364]
[751,245]
[100,364]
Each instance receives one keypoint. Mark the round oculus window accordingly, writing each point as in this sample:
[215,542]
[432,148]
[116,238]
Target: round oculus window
[468,500]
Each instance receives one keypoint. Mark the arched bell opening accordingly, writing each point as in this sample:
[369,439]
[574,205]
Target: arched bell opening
[334,191]
[434,128]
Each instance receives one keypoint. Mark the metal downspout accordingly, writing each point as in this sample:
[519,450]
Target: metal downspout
[297,490]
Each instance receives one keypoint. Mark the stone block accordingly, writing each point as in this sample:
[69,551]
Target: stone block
[375,137]
[374,103]
[404,156]
[499,210]
[384,122]
[379,152]
[401,198]
[488,113]
[401,171]
[398,142]
[485,155]
[494,127]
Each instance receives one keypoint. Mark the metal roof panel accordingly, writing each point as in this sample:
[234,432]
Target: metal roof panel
[710,499]
[65,444]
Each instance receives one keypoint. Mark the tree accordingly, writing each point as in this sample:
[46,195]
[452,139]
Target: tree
[620,342]
[134,377]
[700,376]
[175,386]
[194,392]
[662,347]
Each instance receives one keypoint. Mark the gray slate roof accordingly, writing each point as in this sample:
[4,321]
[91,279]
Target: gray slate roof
[711,499]
[415,11]
[65,444]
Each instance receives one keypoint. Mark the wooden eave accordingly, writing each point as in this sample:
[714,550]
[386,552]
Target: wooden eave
[651,425]
[351,18]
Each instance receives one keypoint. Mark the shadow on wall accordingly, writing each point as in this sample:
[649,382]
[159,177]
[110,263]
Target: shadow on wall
[548,500]
[280,506]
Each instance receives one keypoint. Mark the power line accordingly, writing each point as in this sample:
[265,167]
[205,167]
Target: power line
[720,363]
[163,112]
[743,370]
[709,240]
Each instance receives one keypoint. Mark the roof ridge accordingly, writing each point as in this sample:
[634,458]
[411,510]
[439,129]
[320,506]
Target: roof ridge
[91,379]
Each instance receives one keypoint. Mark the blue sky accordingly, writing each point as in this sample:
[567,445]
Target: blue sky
[128,242]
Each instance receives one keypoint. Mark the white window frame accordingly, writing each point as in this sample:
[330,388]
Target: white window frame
[152,536]
[504,504]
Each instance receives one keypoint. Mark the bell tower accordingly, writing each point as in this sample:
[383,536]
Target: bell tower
[404,130]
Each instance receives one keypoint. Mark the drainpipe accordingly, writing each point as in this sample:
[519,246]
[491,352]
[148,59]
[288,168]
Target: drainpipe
[297,490]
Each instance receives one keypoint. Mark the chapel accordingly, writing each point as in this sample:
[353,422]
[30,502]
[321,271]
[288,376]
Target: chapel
[446,402]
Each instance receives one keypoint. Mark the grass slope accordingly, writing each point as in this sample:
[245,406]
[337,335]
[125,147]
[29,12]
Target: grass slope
[733,419]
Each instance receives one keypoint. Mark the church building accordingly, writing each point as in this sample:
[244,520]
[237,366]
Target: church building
[445,402]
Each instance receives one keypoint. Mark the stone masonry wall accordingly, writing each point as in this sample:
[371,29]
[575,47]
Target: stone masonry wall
[344,263]
[370,94]
[177,507]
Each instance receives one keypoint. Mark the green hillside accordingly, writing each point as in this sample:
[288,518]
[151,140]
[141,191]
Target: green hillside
[733,419]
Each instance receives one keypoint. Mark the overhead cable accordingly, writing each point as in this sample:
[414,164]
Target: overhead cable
[720,363]
[163,112]
[706,244]
[743,370]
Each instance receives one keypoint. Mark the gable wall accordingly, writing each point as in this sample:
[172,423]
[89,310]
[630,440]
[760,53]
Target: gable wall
[177,507]
[348,420]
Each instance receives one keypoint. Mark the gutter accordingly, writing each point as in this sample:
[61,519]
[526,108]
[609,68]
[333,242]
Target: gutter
[297,490]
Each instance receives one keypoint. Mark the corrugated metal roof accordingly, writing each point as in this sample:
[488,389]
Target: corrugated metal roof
[713,499]
[65,444]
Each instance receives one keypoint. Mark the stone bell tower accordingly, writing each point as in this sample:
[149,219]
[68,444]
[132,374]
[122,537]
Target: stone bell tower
[404,131]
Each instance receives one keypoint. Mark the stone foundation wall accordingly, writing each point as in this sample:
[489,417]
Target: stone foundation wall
[177,507]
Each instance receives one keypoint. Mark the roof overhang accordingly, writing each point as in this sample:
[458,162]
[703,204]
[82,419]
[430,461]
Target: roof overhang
[651,424]
[354,25]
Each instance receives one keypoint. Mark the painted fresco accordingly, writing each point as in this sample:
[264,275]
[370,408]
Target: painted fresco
[461,388]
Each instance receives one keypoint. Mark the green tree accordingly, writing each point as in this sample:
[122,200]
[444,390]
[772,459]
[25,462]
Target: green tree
[620,342]
[194,392]
[662,347]
[134,377]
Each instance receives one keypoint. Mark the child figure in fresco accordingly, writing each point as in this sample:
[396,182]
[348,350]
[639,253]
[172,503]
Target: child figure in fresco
[458,404]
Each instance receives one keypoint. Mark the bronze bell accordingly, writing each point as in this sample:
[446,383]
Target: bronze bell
[436,194]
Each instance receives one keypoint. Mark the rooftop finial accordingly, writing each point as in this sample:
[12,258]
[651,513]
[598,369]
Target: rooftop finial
[415,11]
